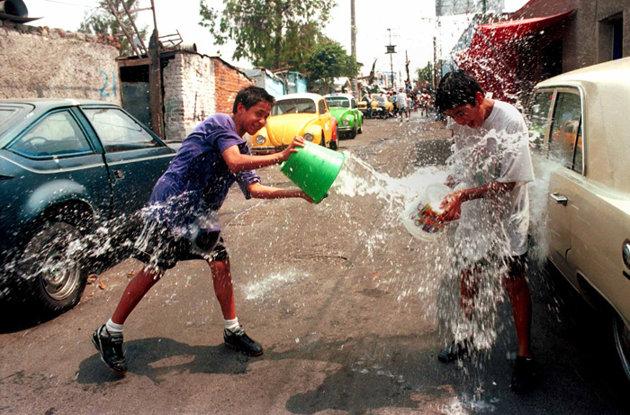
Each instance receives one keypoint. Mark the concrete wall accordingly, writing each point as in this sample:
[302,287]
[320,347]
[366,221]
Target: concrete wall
[38,62]
[189,93]
[195,87]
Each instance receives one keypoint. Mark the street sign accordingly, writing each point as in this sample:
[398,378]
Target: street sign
[390,48]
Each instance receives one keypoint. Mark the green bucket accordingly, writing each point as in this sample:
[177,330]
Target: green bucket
[313,169]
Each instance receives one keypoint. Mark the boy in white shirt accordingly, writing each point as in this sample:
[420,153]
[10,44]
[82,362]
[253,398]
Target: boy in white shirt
[492,207]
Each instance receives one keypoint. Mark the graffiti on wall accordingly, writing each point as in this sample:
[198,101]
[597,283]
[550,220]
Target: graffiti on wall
[108,84]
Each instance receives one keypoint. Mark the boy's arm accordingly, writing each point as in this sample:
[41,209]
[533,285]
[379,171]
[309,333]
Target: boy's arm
[452,203]
[238,162]
[259,191]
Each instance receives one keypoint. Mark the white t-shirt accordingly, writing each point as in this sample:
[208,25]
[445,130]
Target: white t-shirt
[496,152]
[401,100]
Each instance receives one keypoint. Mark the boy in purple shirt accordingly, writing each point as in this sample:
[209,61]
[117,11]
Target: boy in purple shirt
[180,221]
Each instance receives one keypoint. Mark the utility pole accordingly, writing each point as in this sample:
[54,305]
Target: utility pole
[391,49]
[156,103]
[353,45]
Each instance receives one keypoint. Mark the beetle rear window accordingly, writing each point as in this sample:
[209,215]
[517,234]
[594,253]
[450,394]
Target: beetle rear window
[338,102]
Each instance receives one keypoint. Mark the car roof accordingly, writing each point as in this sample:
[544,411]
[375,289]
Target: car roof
[308,95]
[47,103]
[611,72]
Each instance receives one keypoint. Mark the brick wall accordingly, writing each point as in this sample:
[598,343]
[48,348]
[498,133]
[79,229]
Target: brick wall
[189,93]
[228,81]
[39,62]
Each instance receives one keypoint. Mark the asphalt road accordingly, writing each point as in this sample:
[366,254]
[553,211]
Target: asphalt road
[337,293]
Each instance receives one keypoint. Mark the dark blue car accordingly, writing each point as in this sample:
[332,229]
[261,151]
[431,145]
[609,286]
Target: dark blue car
[66,168]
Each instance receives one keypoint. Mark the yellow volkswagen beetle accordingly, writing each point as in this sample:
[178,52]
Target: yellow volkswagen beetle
[305,115]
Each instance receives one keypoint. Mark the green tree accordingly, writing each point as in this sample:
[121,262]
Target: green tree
[101,22]
[276,34]
[425,74]
[329,60]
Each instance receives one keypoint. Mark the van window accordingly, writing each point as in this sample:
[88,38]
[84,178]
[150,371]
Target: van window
[537,116]
[565,144]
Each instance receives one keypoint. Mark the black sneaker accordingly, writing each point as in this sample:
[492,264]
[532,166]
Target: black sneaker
[238,340]
[523,374]
[454,351]
[109,345]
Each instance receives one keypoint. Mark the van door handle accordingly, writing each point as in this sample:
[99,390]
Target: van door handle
[560,199]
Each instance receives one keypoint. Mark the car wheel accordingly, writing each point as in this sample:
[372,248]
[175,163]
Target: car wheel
[333,145]
[621,339]
[360,130]
[323,140]
[52,275]
[352,133]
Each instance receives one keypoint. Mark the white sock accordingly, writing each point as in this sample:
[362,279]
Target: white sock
[113,327]
[232,325]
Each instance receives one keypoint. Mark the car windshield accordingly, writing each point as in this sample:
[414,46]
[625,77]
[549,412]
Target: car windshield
[6,113]
[294,106]
[338,102]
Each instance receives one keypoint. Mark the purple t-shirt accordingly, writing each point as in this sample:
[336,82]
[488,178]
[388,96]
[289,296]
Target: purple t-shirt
[198,179]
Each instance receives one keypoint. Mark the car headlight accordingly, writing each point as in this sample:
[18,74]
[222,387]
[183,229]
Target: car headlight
[626,253]
[260,139]
[308,137]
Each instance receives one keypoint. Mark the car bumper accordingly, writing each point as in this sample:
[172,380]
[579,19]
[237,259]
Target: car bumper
[345,129]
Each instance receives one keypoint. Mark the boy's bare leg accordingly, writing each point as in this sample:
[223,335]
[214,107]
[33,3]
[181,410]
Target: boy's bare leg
[135,291]
[223,288]
[518,291]
[233,335]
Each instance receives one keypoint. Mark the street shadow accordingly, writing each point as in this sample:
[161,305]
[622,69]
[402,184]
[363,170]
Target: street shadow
[17,317]
[376,372]
[158,357]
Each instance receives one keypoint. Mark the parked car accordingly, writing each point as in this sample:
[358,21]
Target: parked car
[349,119]
[580,119]
[66,166]
[305,115]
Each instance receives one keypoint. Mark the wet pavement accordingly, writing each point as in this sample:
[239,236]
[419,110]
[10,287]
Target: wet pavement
[339,301]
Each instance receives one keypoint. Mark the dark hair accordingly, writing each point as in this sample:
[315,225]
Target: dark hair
[250,96]
[456,88]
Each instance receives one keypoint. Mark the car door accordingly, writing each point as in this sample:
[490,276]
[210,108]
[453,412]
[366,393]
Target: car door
[565,147]
[52,162]
[135,158]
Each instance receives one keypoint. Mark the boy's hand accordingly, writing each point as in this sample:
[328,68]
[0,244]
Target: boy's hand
[297,142]
[452,207]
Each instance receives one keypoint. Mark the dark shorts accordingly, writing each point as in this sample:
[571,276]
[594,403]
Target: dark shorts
[159,248]
[517,265]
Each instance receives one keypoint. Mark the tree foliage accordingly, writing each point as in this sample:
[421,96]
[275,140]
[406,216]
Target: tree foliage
[425,74]
[328,61]
[102,22]
[275,34]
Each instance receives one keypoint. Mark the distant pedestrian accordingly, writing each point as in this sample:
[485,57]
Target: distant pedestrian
[494,196]
[180,221]
[402,105]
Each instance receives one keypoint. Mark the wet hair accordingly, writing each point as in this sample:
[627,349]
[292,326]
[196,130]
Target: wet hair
[456,88]
[251,96]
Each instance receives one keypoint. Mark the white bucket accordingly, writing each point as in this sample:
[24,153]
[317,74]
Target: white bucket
[415,223]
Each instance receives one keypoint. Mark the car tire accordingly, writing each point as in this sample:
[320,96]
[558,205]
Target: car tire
[352,134]
[52,276]
[333,145]
[621,341]
[360,130]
